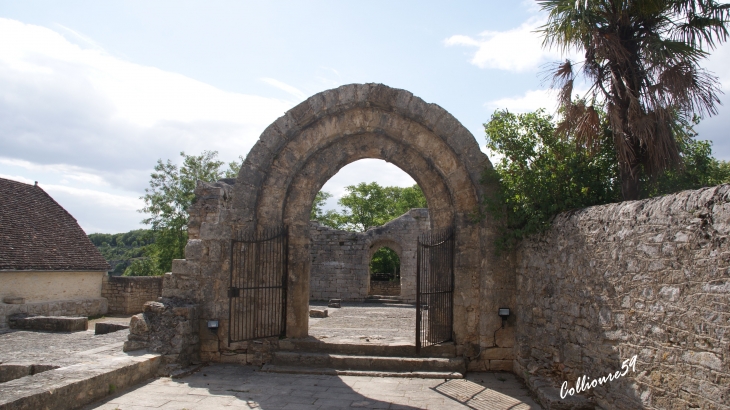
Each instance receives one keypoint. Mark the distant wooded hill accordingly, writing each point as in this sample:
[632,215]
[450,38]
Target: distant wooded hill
[120,249]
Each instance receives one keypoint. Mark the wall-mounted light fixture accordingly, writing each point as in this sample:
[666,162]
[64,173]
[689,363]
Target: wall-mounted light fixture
[504,314]
[213,326]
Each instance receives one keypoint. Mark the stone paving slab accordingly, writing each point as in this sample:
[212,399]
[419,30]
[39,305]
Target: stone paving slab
[365,323]
[58,349]
[225,386]
[84,367]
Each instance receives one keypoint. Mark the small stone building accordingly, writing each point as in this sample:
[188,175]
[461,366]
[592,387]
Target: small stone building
[48,266]
[341,259]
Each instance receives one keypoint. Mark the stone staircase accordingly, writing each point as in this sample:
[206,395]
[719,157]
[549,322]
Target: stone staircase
[313,357]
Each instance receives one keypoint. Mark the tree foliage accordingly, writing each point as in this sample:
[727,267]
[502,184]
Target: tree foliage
[385,261]
[542,174]
[368,205]
[641,60]
[122,248]
[169,196]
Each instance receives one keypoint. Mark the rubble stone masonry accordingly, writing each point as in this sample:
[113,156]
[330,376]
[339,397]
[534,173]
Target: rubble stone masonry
[648,278]
[341,259]
[126,295]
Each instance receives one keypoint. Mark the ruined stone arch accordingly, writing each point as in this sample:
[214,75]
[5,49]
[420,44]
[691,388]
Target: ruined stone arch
[300,151]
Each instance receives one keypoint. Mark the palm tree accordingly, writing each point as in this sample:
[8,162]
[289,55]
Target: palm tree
[641,63]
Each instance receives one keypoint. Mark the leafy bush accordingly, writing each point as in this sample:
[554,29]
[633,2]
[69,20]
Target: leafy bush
[143,267]
[541,174]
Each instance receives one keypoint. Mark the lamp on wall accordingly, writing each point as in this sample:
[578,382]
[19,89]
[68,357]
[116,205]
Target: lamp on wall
[213,326]
[504,314]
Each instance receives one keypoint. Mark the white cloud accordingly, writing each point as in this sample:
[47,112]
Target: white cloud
[18,178]
[73,115]
[530,101]
[298,94]
[519,49]
[66,171]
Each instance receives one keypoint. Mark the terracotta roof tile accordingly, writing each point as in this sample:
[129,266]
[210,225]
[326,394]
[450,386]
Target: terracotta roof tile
[36,233]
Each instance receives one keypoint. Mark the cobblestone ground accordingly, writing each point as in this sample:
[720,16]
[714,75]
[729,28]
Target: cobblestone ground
[359,323]
[59,349]
[237,387]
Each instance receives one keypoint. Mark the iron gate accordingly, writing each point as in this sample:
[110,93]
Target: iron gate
[434,288]
[257,292]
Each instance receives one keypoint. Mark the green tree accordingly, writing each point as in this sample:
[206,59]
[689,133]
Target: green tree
[122,248]
[143,267]
[386,261]
[541,174]
[168,198]
[318,206]
[642,62]
[369,205]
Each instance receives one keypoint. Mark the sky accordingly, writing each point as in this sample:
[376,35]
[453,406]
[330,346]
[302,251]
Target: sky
[93,93]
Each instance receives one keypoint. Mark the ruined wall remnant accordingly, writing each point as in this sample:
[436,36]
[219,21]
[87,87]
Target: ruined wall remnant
[126,295]
[385,288]
[341,260]
[169,327]
[647,278]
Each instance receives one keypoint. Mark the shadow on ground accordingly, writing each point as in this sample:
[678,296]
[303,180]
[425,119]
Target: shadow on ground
[240,387]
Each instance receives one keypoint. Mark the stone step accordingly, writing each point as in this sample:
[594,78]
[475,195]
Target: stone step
[76,385]
[272,368]
[370,363]
[392,300]
[317,346]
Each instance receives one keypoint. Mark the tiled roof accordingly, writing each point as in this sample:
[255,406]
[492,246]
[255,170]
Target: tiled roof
[36,233]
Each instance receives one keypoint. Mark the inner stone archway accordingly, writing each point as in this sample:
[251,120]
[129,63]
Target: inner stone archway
[299,152]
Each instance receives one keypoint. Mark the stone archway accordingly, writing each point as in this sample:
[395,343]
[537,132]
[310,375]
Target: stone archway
[277,184]
[300,151]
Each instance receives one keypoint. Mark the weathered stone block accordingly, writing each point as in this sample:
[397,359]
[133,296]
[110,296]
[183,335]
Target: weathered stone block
[101,328]
[138,325]
[318,313]
[49,323]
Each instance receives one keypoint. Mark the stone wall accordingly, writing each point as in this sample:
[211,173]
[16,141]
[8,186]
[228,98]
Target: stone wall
[126,295]
[169,327]
[647,278]
[385,287]
[341,260]
[76,307]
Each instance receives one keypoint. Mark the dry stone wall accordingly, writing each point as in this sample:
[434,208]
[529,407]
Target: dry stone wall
[646,278]
[126,295]
[384,288]
[76,307]
[341,260]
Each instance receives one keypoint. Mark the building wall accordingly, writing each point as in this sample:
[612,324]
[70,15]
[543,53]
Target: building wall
[341,260]
[127,295]
[39,286]
[647,278]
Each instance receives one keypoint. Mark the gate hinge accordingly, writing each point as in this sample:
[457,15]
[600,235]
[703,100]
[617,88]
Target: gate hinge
[233,292]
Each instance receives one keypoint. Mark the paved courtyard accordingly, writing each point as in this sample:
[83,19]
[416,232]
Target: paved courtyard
[240,387]
[357,323]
